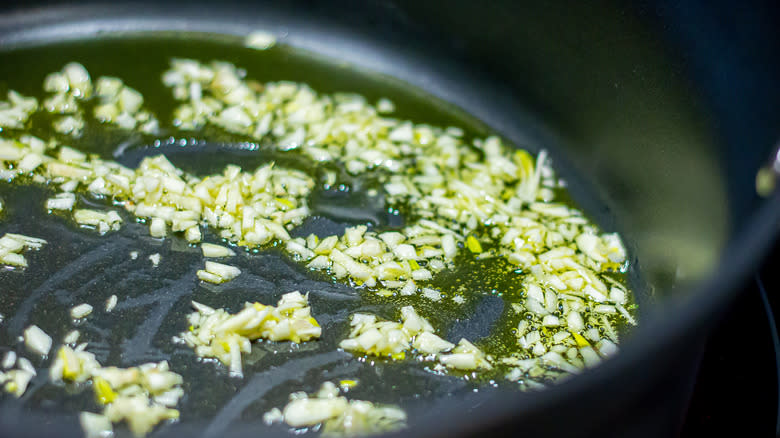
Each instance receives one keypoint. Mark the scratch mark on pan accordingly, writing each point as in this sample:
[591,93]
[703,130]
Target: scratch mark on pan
[136,347]
[263,382]
[17,323]
[108,273]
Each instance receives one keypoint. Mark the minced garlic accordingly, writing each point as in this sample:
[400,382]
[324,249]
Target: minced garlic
[12,245]
[475,199]
[337,415]
[393,339]
[16,380]
[218,334]
[218,272]
[142,396]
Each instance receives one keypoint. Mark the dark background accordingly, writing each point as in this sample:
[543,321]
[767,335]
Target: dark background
[737,385]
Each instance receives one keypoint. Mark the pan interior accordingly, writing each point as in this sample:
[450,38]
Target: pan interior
[79,266]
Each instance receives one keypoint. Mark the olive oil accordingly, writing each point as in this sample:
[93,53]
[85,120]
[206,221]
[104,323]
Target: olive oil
[477,294]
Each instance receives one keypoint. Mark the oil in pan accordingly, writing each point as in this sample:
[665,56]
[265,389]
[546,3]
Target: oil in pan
[509,285]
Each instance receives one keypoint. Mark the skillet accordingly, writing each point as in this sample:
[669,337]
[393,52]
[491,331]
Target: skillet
[646,188]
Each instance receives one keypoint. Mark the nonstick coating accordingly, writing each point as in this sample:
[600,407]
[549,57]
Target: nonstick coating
[592,403]
[79,266]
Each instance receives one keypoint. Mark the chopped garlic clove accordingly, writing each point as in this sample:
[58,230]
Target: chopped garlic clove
[37,341]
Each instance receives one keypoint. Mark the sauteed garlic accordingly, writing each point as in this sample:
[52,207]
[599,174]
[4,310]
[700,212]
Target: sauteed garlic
[462,203]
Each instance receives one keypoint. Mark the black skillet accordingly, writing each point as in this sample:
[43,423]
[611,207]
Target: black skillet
[658,137]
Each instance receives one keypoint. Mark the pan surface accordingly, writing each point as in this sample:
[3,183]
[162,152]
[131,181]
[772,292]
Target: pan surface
[94,267]
[79,266]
